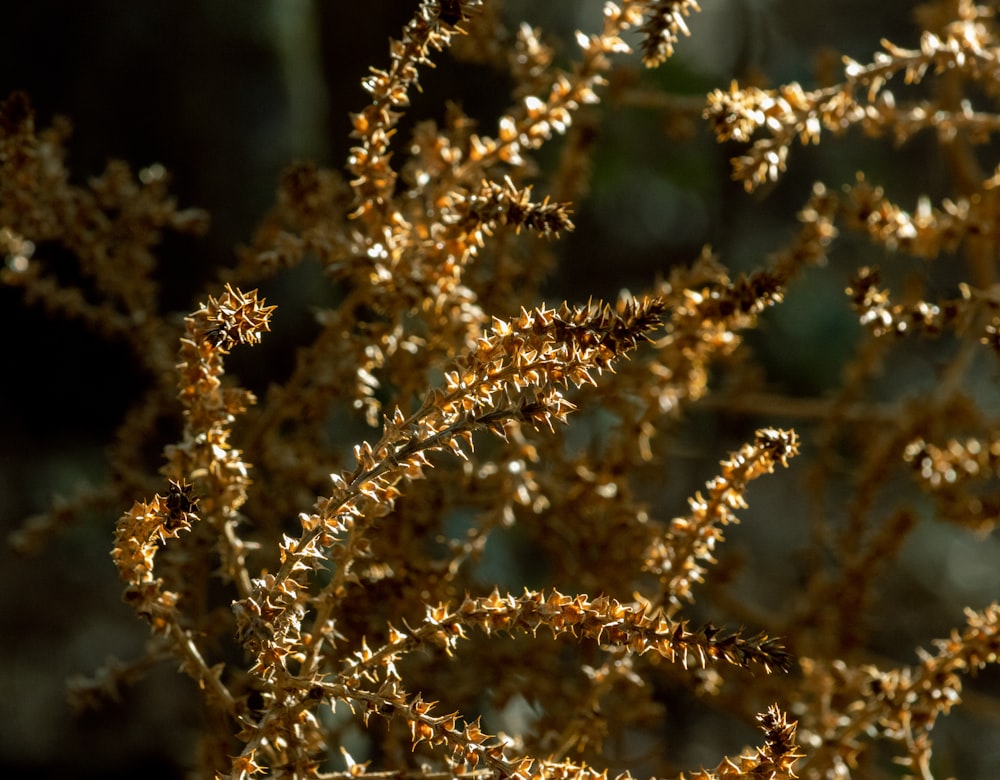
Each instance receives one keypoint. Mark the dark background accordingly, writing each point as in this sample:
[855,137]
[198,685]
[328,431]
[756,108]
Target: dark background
[224,93]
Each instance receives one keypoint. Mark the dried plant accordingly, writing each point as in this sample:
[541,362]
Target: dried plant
[340,609]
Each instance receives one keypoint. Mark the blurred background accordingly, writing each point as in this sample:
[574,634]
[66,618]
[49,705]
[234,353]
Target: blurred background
[224,93]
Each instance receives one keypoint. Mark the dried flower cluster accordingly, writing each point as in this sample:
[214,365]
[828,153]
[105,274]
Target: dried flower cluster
[468,591]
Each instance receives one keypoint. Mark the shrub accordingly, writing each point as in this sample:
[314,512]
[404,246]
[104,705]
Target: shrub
[442,543]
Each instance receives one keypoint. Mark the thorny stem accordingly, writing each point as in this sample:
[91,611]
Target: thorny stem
[205,675]
[235,547]
[327,606]
[412,447]
[440,728]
